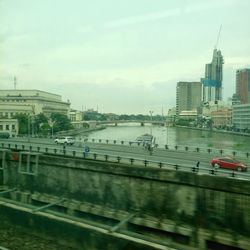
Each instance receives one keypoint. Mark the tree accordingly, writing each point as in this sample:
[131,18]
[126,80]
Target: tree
[41,124]
[184,122]
[23,123]
[61,122]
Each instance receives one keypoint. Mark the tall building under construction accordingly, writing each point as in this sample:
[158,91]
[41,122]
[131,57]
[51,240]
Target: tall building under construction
[212,83]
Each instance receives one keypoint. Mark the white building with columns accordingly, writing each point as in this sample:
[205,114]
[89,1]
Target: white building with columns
[9,126]
[31,102]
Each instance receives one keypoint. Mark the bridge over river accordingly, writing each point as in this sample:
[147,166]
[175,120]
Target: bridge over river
[142,122]
[106,199]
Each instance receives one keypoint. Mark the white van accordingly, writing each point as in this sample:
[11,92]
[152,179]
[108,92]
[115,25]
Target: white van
[67,140]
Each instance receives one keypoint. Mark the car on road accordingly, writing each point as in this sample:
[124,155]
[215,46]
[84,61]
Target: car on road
[228,163]
[67,140]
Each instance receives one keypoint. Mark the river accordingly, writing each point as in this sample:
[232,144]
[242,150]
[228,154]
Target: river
[174,136]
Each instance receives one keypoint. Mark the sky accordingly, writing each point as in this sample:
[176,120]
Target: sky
[118,56]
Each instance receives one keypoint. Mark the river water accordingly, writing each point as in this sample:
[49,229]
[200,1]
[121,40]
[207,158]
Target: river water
[174,136]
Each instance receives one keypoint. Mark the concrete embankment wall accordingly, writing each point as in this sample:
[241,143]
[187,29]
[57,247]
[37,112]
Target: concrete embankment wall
[167,207]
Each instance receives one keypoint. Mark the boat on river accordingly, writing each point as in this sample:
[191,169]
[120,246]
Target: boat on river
[146,138]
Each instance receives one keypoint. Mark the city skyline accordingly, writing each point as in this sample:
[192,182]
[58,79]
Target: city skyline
[122,57]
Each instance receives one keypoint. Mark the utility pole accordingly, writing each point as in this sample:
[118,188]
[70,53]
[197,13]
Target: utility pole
[28,127]
[167,135]
[32,120]
[167,124]
[32,125]
[151,112]
[162,115]
[15,82]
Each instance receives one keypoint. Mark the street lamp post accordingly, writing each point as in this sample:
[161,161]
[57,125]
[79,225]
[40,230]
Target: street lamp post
[32,126]
[167,124]
[52,130]
[51,124]
[29,128]
[31,122]
[167,134]
[151,113]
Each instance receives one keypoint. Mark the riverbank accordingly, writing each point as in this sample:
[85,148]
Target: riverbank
[82,131]
[216,131]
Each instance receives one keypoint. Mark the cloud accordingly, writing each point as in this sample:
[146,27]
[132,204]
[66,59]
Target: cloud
[206,5]
[91,57]
[142,18]
[240,61]
[187,8]
[118,97]
[25,65]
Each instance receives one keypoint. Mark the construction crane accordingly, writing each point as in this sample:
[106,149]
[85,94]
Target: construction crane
[218,37]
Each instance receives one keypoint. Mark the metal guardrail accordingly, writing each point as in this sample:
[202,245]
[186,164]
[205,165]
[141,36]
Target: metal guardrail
[69,152]
[187,148]
[38,209]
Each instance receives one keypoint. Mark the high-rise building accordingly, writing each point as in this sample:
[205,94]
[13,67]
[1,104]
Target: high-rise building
[241,117]
[188,96]
[212,83]
[235,99]
[243,85]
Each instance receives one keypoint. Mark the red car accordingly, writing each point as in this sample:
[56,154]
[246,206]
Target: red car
[228,162]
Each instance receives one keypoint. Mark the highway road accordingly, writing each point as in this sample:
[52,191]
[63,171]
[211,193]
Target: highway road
[184,160]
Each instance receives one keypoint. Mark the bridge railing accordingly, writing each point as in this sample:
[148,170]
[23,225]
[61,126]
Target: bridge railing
[113,158]
[187,148]
[244,155]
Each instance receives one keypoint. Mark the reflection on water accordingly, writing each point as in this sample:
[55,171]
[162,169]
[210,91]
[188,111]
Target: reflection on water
[211,139]
[174,136]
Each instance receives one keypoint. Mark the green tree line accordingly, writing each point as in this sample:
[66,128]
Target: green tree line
[88,116]
[41,124]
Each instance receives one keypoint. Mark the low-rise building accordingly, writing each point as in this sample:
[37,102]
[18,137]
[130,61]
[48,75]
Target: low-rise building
[213,112]
[31,102]
[9,126]
[241,117]
[207,108]
[188,114]
[75,115]
[76,118]
[222,118]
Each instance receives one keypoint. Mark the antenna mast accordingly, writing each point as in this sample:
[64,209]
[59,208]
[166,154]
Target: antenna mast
[218,37]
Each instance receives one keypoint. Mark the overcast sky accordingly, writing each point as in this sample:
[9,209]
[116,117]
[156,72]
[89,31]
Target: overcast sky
[122,56]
